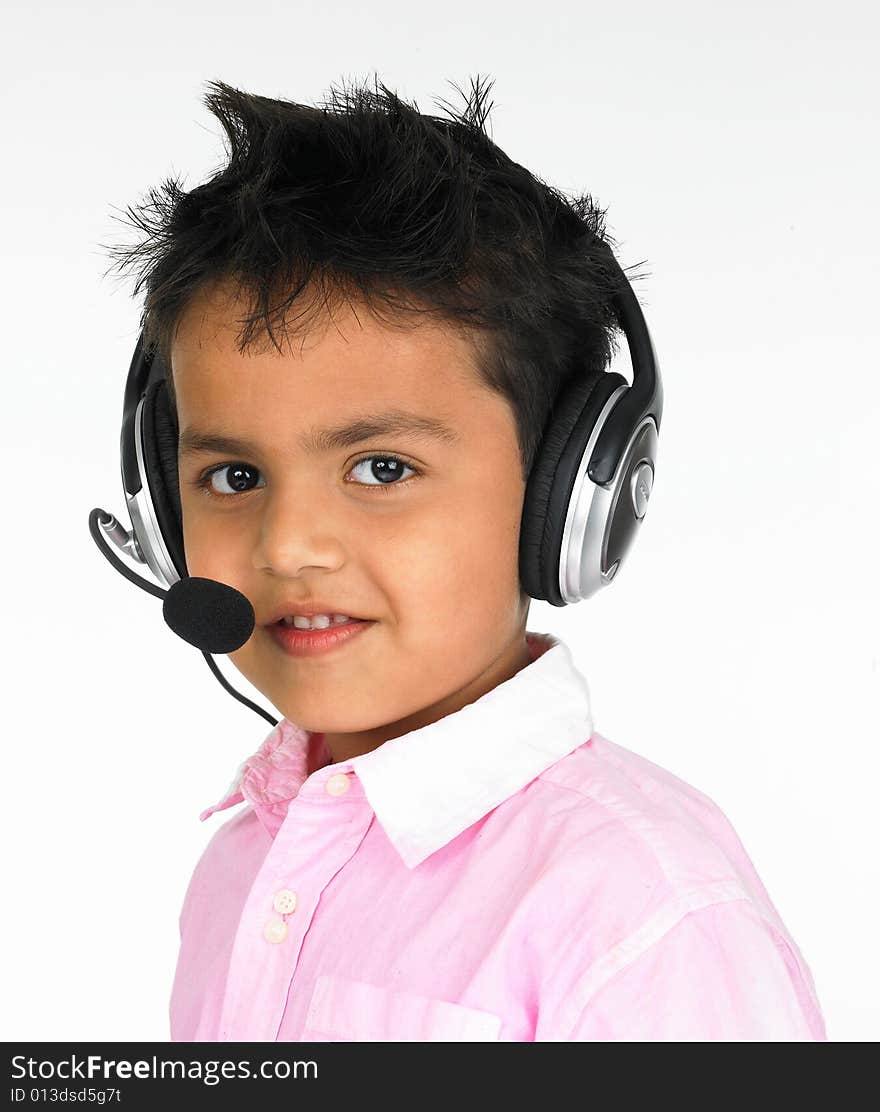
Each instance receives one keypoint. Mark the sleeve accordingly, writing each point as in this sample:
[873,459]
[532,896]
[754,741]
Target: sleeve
[721,973]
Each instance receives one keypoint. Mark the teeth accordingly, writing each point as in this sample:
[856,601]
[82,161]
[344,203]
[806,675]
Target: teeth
[319,621]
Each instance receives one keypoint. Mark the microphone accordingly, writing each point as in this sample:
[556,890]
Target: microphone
[206,613]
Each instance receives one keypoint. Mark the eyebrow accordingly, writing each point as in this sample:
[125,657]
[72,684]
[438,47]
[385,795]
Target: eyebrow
[193,440]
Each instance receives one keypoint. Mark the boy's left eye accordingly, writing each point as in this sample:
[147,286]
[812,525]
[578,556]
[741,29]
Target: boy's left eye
[386,472]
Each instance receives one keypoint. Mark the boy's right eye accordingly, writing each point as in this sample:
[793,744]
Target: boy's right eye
[239,476]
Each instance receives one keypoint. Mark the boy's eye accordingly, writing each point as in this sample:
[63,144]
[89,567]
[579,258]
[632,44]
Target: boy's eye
[384,469]
[234,475]
[384,473]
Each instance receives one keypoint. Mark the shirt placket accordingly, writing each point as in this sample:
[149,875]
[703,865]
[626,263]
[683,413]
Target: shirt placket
[324,825]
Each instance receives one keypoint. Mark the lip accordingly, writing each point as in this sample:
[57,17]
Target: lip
[315,642]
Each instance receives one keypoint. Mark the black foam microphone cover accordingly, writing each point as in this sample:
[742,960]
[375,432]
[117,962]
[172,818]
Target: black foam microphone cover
[213,616]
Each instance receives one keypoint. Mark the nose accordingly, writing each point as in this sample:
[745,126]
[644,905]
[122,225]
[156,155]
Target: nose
[297,530]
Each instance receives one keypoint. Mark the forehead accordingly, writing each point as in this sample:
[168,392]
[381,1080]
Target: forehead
[345,360]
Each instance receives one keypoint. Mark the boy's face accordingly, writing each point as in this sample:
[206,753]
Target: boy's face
[431,557]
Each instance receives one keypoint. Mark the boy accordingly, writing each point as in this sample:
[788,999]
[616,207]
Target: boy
[436,843]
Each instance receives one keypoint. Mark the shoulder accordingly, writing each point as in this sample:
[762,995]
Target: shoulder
[640,852]
[228,864]
[236,840]
[651,824]
[618,842]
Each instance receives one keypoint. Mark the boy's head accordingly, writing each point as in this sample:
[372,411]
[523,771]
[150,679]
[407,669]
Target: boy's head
[349,263]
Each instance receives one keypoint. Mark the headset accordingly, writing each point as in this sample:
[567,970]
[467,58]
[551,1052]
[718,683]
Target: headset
[586,494]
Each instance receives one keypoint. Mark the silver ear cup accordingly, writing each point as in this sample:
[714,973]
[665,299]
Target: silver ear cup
[602,520]
[147,534]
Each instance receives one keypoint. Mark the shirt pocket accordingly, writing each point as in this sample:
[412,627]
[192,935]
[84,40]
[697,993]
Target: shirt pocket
[345,1010]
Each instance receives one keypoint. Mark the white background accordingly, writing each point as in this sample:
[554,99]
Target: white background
[735,150]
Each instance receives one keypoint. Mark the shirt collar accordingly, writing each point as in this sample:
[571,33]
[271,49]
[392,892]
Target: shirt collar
[428,785]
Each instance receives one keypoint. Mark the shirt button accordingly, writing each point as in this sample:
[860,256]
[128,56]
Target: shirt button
[285,901]
[275,930]
[337,784]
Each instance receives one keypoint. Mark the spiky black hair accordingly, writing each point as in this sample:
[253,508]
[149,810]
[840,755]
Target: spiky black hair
[366,199]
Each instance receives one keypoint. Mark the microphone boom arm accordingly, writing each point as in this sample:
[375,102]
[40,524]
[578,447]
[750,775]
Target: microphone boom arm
[104,526]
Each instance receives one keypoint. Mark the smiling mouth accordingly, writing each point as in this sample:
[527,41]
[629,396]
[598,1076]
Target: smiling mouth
[312,642]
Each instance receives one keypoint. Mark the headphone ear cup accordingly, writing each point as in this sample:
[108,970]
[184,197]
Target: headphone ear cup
[551,481]
[160,459]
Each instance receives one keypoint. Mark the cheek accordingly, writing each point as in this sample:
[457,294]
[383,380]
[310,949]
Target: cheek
[210,549]
[457,565]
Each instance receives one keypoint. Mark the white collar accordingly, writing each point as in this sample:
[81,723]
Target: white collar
[428,785]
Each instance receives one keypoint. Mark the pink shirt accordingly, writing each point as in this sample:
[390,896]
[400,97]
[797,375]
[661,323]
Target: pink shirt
[505,873]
